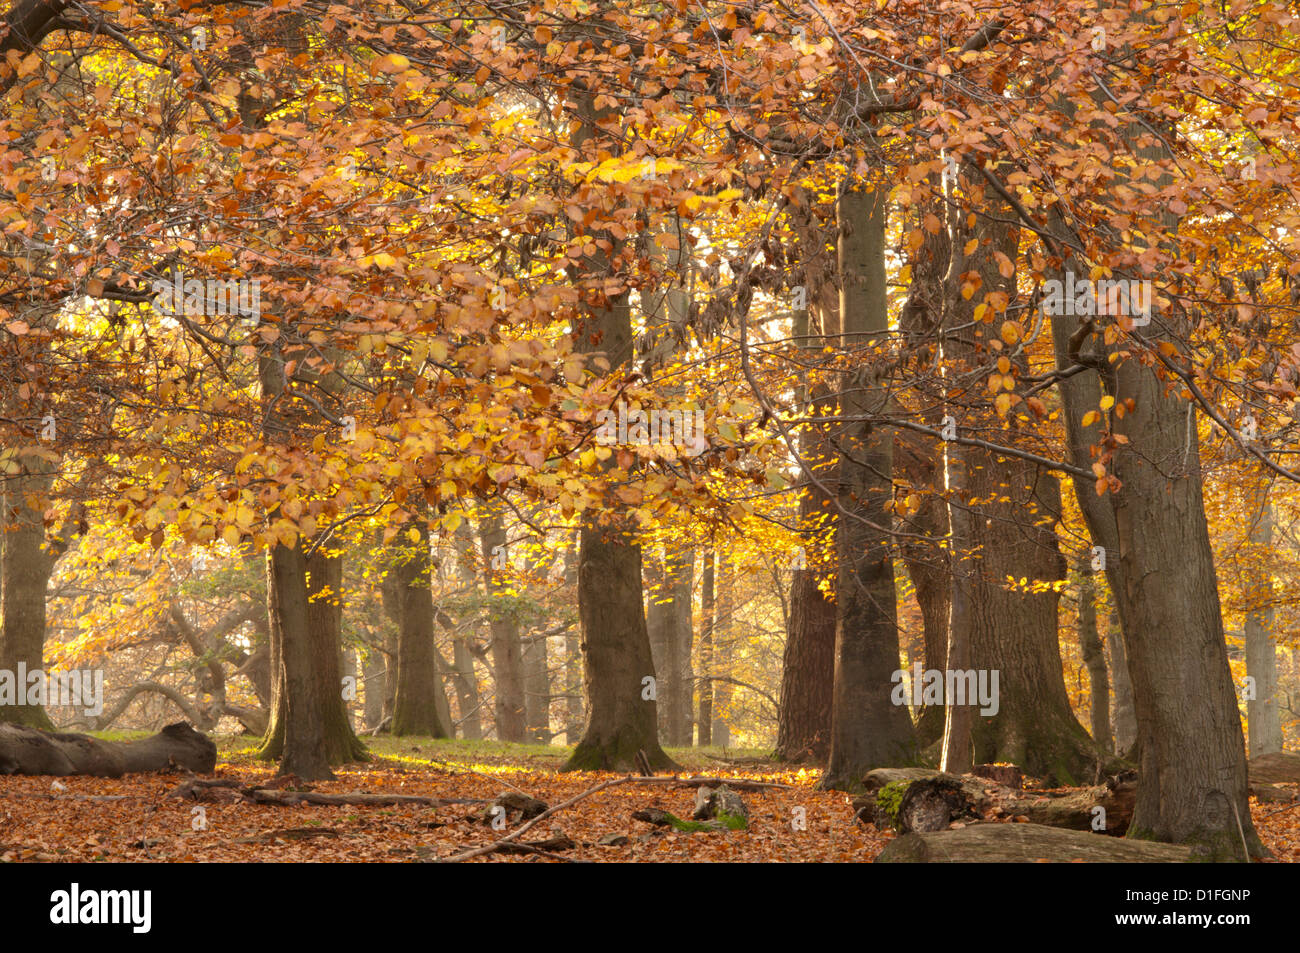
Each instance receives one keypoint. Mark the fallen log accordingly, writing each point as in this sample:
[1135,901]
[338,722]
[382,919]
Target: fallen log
[1078,810]
[920,799]
[923,800]
[1279,767]
[211,789]
[26,750]
[1025,843]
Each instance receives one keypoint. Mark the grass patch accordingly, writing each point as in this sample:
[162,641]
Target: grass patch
[486,756]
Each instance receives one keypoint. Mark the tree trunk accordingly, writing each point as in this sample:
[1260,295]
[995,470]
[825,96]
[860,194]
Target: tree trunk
[1015,633]
[723,650]
[619,681]
[468,698]
[867,729]
[1262,716]
[24,579]
[920,462]
[704,720]
[309,728]
[621,721]
[1125,713]
[1094,657]
[807,668]
[416,705]
[808,660]
[669,627]
[537,690]
[1193,782]
[956,753]
[373,673]
[467,693]
[1193,764]
[507,653]
[573,719]
[1012,512]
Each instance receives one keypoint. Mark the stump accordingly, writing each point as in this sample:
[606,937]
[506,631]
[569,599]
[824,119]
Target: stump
[721,804]
[1025,843]
[1007,775]
[514,806]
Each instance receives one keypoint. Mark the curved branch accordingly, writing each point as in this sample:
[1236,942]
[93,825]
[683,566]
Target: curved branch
[158,688]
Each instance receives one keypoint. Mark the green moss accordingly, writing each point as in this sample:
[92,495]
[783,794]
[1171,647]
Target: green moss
[732,822]
[723,822]
[890,798]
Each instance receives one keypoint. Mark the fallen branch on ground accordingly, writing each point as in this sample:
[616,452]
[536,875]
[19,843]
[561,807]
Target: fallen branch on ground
[195,788]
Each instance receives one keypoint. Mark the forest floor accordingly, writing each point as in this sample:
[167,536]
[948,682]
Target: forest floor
[136,819]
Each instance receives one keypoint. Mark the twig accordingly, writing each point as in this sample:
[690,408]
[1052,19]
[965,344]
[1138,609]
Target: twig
[480,851]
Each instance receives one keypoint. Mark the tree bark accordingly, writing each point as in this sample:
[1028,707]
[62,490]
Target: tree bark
[808,660]
[1262,716]
[619,681]
[704,735]
[1010,512]
[920,462]
[1125,713]
[537,690]
[373,675]
[1094,657]
[723,650]
[867,729]
[669,627]
[25,750]
[616,649]
[26,563]
[507,653]
[309,728]
[417,708]
[468,698]
[1024,843]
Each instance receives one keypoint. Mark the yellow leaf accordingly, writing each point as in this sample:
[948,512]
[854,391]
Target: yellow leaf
[1107,402]
[1003,404]
[1090,418]
[1010,332]
[971,245]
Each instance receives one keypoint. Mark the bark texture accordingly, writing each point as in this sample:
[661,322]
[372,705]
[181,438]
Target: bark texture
[25,750]
[419,704]
[616,649]
[867,729]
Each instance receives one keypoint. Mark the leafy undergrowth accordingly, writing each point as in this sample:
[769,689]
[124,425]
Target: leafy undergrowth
[142,822]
